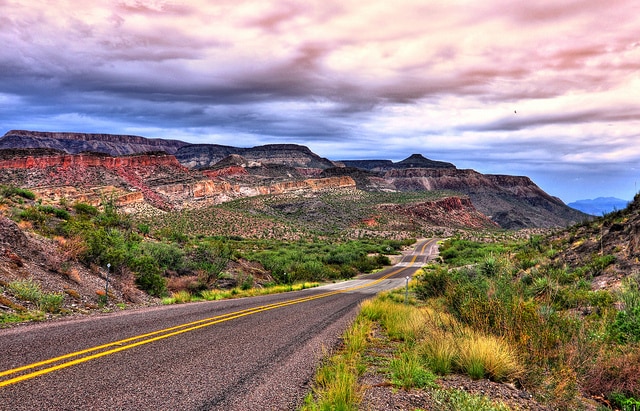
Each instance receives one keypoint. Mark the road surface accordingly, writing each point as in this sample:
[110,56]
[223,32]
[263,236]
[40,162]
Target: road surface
[247,354]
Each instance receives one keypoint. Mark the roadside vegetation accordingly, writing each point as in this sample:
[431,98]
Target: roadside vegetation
[520,311]
[494,307]
[174,262]
[185,296]
[572,340]
[404,353]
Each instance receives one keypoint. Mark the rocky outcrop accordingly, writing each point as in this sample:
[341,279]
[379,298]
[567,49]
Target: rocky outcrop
[511,201]
[74,143]
[90,160]
[316,184]
[93,196]
[419,161]
[182,193]
[230,171]
[449,212]
[157,178]
[85,172]
[201,156]
[217,191]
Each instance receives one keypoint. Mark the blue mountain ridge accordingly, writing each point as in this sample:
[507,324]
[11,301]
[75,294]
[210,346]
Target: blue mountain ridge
[600,205]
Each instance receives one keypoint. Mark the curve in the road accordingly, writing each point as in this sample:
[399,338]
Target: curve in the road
[29,371]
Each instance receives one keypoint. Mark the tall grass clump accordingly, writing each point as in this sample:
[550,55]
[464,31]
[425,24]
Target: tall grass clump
[26,290]
[336,386]
[407,371]
[401,322]
[442,343]
[30,290]
[50,302]
[179,297]
[355,338]
[438,350]
[486,356]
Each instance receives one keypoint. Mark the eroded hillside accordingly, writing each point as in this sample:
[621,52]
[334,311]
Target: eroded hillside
[609,244]
[221,173]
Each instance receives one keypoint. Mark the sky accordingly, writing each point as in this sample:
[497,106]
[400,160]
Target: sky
[547,89]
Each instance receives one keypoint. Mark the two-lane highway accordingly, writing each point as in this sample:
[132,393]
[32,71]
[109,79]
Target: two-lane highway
[245,354]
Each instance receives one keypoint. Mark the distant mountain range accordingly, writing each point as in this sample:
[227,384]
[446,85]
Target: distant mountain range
[172,174]
[600,205]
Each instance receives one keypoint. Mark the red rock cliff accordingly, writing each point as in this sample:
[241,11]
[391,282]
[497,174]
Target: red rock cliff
[91,160]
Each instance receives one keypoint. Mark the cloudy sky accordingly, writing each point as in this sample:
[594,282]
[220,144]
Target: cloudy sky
[544,88]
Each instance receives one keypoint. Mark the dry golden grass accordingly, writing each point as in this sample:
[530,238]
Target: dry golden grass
[481,356]
[182,296]
[25,225]
[402,322]
[73,274]
[71,248]
[444,344]
[439,351]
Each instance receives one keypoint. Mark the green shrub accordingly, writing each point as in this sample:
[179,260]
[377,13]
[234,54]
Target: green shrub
[21,192]
[85,209]
[433,283]
[26,290]
[544,287]
[626,327]
[408,372]
[247,283]
[625,403]
[33,214]
[599,263]
[148,276]
[105,246]
[489,266]
[58,212]
[168,256]
[210,258]
[50,302]
[30,290]
[111,218]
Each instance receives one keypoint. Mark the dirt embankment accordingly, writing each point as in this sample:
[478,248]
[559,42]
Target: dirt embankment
[25,256]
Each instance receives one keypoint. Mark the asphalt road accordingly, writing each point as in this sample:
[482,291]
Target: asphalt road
[247,354]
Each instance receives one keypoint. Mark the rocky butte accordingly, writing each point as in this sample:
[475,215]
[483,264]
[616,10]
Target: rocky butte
[171,174]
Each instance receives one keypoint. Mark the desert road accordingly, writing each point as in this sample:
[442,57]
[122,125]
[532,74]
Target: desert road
[256,353]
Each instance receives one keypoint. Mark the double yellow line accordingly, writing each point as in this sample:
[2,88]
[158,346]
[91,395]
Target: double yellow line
[79,357]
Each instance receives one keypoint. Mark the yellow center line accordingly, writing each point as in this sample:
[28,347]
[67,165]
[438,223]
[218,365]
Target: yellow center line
[147,338]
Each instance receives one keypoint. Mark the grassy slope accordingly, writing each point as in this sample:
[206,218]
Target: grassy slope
[342,214]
